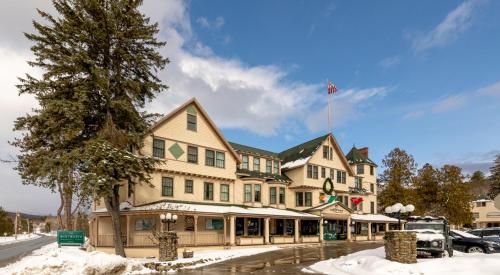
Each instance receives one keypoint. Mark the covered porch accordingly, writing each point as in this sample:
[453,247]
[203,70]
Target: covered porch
[371,226]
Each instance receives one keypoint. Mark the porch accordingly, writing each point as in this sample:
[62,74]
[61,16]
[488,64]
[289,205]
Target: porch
[371,227]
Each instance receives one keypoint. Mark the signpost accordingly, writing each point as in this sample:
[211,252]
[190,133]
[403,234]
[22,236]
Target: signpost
[70,238]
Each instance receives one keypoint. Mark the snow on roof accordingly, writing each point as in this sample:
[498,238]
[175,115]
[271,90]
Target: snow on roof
[218,209]
[372,218]
[295,163]
[464,234]
[482,200]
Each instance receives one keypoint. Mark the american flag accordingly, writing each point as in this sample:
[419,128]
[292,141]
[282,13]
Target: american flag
[331,88]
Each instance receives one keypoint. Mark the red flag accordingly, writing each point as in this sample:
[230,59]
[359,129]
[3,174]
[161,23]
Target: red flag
[331,88]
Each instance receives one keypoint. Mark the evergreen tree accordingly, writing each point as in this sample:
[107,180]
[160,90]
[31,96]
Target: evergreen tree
[426,188]
[495,179]
[6,224]
[479,184]
[397,178]
[455,196]
[100,61]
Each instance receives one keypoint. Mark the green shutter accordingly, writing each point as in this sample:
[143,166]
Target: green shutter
[176,150]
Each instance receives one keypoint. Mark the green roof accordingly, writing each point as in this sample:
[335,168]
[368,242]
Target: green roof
[263,175]
[355,156]
[252,150]
[303,150]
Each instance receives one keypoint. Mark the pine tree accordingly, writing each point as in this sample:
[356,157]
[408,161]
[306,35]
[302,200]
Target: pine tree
[426,188]
[397,178]
[455,196]
[100,59]
[479,184]
[6,224]
[494,179]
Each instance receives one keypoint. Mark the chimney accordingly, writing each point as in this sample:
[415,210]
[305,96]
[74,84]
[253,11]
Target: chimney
[364,151]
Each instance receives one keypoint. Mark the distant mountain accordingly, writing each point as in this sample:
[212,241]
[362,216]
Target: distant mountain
[26,216]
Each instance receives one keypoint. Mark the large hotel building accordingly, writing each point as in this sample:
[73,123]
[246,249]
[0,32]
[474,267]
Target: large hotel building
[226,193]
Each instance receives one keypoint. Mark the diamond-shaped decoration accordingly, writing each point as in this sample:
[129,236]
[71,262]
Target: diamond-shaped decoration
[176,150]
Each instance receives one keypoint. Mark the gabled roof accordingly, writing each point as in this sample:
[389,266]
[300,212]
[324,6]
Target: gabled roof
[354,157]
[252,150]
[209,120]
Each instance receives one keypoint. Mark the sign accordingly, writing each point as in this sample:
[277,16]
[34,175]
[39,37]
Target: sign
[337,209]
[76,238]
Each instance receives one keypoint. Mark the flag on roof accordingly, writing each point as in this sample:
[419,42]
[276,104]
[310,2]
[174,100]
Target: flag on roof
[331,88]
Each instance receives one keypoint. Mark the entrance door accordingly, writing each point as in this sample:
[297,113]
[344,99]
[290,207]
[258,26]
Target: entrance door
[330,230]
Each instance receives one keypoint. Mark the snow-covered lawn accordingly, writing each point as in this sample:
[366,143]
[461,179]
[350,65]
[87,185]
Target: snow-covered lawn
[20,238]
[373,262]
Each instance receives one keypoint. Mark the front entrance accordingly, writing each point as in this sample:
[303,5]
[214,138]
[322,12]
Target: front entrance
[334,230]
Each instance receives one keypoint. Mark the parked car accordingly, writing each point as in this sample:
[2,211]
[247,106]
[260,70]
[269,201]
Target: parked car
[466,242]
[432,235]
[490,234]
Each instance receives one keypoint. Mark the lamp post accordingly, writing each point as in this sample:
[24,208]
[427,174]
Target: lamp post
[168,218]
[399,208]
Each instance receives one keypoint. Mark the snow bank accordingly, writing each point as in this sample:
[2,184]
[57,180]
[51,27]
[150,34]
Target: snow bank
[71,260]
[373,262]
[20,238]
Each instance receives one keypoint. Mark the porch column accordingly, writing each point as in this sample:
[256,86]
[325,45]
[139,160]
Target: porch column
[321,229]
[349,237]
[296,238]
[245,227]
[232,230]
[96,231]
[266,230]
[195,217]
[369,231]
[386,226]
[128,230]
[225,230]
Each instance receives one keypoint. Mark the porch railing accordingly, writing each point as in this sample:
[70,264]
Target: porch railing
[186,238]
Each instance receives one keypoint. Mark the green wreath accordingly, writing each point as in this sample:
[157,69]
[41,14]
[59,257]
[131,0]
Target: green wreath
[328,186]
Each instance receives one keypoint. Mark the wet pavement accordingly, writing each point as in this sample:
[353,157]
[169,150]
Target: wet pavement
[284,261]
[10,253]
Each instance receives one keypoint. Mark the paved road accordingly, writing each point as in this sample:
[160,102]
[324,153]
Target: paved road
[284,261]
[12,252]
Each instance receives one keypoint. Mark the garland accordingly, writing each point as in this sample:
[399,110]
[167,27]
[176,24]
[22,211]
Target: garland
[328,186]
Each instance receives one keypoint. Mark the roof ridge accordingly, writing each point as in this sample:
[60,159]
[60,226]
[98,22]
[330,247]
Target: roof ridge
[252,148]
[307,147]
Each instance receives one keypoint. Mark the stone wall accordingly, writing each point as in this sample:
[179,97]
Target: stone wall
[167,246]
[401,246]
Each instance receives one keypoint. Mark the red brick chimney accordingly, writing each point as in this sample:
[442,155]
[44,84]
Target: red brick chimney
[364,151]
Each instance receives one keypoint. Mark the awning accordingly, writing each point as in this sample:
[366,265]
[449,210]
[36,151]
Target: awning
[213,209]
[376,218]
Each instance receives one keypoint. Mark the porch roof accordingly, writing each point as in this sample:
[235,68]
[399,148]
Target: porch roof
[373,218]
[212,209]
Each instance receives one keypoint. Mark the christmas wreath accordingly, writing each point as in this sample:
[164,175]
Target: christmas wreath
[328,186]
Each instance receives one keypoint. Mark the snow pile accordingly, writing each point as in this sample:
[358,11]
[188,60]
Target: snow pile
[71,260]
[373,262]
[20,238]
[295,163]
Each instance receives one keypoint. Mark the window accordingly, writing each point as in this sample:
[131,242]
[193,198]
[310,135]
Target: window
[256,164]
[358,183]
[224,192]
[481,204]
[476,215]
[315,172]
[309,171]
[282,195]
[167,187]
[191,122]
[208,193]
[248,193]
[158,148]
[272,195]
[332,173]
[220,159]
[192,154]
[257,192]
[323,172]
[209,157]
[331,153]
[326,152]
[360,169]
[299,198]
[188,186]
[244,162]
[144,224]
[214,224]
[372,207]
[276,167]
[372,170]
[372,187]
[308,198]
[269,166]
[341,176]
[346,200]
[339,199]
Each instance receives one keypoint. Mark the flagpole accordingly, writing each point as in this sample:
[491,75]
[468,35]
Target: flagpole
[331,99]
[328,90]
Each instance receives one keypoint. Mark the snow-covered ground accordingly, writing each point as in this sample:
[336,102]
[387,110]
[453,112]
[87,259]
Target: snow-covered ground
[373,262]
[20,238]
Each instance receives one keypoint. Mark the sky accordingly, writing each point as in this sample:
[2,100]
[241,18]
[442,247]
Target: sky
[420,75]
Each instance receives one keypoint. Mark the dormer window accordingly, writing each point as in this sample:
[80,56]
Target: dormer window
[360,169]
[256,164]
[244,162]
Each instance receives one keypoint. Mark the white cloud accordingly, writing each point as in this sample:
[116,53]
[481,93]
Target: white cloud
[493,89]
[449,103]
[216,24]
[390,61]
[469,161]
[455,23]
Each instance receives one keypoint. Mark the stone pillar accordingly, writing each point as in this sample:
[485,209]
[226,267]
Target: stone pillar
[401,246]
[232,230]
[195,223]
[349,237]
[296,237]
[266,230]
[369,231]
[167,246]
[321,230]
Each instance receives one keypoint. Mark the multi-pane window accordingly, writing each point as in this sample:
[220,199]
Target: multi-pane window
[332,173]
[341,176]
[188,186]
[346,200]
[257,192]
[372,207]
[315,172]
[192,154]
[248,192]
[323,172]
[220,160]
[191,122]
[309,171]
[480,204]
[158,148]
[209,157]
[269,166]
[360,169]
[224,192]
[167,187]
[256,164]
[372,170]
[358,183]
[331,153]
[299,198]
[308,198]
[326,152]
[272,195]
[372,187]
[208,191]
[282,195]
[276,167]
[475,215]
[339,199]
[244,162]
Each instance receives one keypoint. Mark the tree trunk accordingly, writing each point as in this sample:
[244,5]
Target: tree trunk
[113,206]
[59,210]
[68,201]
